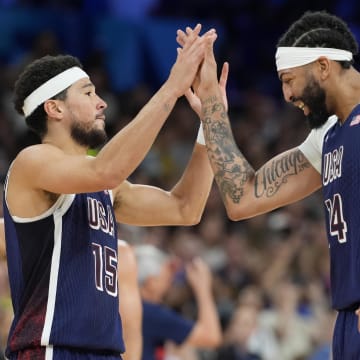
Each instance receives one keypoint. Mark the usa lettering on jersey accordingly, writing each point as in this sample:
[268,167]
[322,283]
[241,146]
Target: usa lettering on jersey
[332,165]
[99,217]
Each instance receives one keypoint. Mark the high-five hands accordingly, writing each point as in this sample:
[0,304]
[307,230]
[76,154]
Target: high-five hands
[189,57]
[207,74]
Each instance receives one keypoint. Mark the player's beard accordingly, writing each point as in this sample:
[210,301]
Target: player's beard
[90,138]
[314,97]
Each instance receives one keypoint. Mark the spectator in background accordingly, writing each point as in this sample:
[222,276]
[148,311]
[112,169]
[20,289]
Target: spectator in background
[283,318]
[245,339]
[161,324]
[322,337]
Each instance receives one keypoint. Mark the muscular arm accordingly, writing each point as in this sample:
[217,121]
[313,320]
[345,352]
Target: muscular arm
[182,205]
[284,179]
[55,170]
[114,163]
[130,302]
[246,192]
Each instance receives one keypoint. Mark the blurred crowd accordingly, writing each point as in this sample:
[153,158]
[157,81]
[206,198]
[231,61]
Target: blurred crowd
[271,273]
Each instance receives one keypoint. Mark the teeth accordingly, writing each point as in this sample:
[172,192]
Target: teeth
[301,107]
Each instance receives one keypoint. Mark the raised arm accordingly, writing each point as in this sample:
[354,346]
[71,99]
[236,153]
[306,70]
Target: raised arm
[123,153]
[207,330]
[286,178]
[184,204]
[245,192]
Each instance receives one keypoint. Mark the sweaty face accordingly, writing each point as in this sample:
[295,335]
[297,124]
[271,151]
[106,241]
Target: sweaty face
[87,136]
[314,97]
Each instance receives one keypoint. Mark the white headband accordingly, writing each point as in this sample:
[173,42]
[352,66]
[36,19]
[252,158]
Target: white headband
[289,57]
[52,87]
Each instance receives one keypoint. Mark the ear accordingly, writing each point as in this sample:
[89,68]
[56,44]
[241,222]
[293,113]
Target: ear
[53,109]
[324,66]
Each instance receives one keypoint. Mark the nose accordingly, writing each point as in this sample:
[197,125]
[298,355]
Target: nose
[101,103]
[288,96]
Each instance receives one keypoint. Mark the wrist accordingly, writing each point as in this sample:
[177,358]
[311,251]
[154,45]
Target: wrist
[169,92]
[209,92]
[203,294]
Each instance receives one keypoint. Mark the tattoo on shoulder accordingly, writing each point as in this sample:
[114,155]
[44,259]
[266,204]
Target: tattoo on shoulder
[275,174]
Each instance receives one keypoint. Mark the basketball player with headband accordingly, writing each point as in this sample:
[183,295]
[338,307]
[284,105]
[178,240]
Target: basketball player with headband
[314,61]
[61,206]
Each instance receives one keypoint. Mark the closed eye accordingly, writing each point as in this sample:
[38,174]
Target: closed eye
[287,81]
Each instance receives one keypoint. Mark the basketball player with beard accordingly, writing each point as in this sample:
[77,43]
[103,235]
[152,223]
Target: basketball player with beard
[314,60]
[61,206]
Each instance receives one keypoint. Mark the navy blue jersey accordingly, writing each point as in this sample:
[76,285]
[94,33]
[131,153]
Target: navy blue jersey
[341,189]
[63,276]
[161,324]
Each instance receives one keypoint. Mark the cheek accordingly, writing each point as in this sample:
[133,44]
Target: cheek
[84,113]
[82,104]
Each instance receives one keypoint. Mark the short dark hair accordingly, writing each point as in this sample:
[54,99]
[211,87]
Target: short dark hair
[320,29]
[34,75]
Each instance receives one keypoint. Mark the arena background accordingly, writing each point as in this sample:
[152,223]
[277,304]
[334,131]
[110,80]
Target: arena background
[275,263]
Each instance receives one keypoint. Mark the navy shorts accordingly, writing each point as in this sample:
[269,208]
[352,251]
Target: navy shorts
[346,339]
[58,353]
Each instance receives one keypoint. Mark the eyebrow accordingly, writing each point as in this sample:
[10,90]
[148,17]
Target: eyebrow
[282,75]
[89,84]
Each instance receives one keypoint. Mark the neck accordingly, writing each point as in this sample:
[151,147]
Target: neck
[346,94]
[65,143]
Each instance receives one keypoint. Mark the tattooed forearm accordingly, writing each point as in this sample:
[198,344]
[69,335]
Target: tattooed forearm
[231,169]
[276,173]
[231,181]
